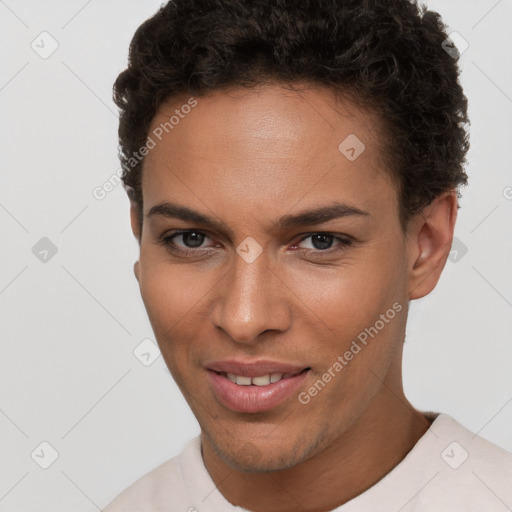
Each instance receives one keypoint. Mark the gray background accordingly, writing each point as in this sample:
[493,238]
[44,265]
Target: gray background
[69,324]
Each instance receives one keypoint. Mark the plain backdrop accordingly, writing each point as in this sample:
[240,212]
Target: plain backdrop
[71,316]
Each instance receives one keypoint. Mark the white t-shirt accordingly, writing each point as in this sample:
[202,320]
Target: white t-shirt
[448,470]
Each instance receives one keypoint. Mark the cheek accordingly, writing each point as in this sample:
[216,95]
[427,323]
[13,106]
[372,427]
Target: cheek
[351,297]
[350,307]
[173,297]
[169,289]
[364,337]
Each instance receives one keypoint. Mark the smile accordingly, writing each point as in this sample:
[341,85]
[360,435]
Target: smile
[249,389]
[261,380]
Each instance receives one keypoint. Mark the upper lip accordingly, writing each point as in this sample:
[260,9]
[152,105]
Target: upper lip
[253,368]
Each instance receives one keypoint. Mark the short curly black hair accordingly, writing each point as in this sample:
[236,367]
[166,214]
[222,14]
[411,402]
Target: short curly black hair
[387,55]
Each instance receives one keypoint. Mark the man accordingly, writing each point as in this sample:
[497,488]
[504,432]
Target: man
[293,170]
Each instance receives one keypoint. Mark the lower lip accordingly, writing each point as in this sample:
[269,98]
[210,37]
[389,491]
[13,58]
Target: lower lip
[254,398]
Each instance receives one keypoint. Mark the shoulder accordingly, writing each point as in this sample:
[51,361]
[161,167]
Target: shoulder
[449,469]
[466,446]
[470,470]
[157,489]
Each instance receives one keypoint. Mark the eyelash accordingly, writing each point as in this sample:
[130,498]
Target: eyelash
[167,241]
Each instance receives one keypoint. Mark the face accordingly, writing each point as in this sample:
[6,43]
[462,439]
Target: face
[275,251]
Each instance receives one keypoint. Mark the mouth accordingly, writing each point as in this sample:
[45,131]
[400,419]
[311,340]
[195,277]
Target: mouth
[255,387]
[259,380]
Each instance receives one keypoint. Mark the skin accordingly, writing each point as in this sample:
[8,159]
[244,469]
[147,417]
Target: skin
[246,158]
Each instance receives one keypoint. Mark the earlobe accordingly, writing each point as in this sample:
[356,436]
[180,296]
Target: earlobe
[430,243]
[136,270]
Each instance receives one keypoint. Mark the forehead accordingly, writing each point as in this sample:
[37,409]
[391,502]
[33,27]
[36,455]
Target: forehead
[268,145]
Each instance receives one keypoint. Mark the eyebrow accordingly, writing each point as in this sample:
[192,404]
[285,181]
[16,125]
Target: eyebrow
[306,217]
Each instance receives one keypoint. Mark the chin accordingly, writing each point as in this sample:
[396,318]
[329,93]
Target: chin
[248,463]
[250,457]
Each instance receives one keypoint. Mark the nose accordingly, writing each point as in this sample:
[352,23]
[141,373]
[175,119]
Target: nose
[251,300]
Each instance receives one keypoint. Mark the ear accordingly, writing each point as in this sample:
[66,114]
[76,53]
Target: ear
[135,220]
[136,228]
[429,242]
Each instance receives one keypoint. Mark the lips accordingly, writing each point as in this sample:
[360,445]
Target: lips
[252,387]
[254,369]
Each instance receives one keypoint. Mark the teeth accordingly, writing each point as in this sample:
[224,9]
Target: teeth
[261,380]
[243,381]
[275,377]
[264,380]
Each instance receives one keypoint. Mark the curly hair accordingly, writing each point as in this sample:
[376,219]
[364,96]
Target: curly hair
[387,55]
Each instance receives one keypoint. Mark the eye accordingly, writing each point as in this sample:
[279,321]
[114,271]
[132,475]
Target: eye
[322,242]
[193,242]
[185,241]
